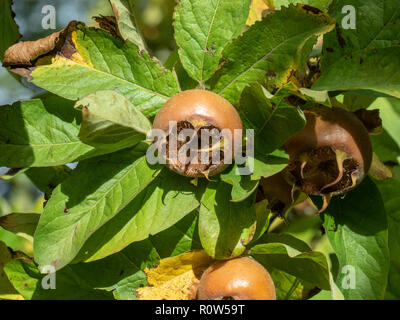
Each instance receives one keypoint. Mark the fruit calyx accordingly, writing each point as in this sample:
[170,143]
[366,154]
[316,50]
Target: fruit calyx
[331,154]
[209,117]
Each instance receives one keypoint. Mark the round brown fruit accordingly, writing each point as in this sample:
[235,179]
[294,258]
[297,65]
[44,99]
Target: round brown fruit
[199,110]
[331,155]
[240,278]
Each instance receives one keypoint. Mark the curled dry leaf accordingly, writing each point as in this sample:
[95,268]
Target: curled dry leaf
[378,169]
[176,278]
[25,53]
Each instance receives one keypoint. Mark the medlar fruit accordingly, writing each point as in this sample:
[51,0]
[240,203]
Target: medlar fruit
[240,278]
[331,154]
[203,112]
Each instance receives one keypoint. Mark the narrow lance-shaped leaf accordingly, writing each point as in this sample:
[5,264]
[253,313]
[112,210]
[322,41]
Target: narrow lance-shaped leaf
[358,232]
[202,30]
[109,119]
[268,50]
[363,53]
[124,11]
[95,192]
[90,60]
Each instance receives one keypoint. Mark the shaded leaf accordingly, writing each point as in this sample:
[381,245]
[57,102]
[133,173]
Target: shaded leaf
[358,232]
[10,33]
[225,227]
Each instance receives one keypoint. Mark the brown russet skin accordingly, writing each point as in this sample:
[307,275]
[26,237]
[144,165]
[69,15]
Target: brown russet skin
[278,192]
[335,128]
[240,278]
[200,108]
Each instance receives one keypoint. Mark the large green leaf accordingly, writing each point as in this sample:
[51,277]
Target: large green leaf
[203,29]
[103,62]
[293,256]
[41,132]
[390,192]
[225,227]
[95,192]
[268,51]
[365,57]
[357,229]
[9,29]
[273,120]
[120,274]
[109,119]
[124,11]
[167,200]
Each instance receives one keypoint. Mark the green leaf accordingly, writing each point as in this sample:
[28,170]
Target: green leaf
[358,232]
[107,63]
[20,223]
[40,133]
[9,34]
[109,119]
[7,291]
[273,120]
[291,255]
[47,179]
[203,29]
[319,4]
[94,193]
[363,58]
[167,200]
[289,287]
[268,165]
[275,43]
[124,11]
[225,227]
[117,275]
[242,186]
[389,190]
[180,238]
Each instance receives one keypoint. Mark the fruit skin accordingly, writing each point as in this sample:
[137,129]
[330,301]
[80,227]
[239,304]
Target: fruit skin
[240,278]
[329,130]
[201,108]
[279,193]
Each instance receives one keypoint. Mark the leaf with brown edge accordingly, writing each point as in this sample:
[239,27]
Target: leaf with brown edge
[257,9]
[378,169]
[175,278]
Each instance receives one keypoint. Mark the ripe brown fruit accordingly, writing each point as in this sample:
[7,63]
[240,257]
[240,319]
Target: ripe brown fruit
[240,278]
[331,155]
[199,110]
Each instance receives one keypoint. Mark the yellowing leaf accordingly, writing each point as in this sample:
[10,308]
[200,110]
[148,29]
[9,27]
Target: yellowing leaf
[378,170]
[257,8]
[175,278]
